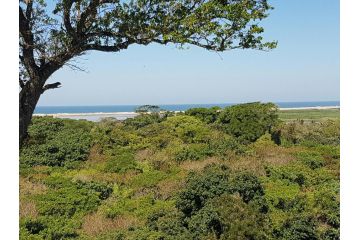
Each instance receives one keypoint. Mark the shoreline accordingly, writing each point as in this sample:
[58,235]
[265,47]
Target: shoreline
[133,114]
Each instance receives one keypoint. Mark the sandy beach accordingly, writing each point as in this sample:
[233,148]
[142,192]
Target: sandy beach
[97,116]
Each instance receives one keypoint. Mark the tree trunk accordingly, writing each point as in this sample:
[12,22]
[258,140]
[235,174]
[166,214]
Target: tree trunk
[28,98]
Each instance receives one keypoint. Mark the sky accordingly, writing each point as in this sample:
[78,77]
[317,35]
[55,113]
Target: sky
[304,67]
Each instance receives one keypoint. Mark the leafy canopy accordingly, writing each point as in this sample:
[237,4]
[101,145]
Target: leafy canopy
[57,33]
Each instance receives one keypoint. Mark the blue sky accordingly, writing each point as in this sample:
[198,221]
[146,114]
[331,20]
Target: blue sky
[304,67]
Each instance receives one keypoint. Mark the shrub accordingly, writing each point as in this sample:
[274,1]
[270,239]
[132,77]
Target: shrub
[193,152]
[313,159]
[170,224]
[224,145]
[148,108]
[228,217]
[201,187]
[213,182]
[188,129]
[312,133]
[298,228]
[327,200]
[248,121]
[281,194]
[247,185]
[122,162]
[143,120]
[66,198]
[49,227]
[61,143]
[207,115]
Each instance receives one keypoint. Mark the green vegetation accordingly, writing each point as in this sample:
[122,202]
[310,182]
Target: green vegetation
[309,114]
[60,32]
[238,173]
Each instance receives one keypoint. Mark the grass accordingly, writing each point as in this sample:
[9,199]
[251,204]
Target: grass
[309,114]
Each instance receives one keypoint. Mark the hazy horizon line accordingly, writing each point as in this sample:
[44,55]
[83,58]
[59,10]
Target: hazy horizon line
[169,104]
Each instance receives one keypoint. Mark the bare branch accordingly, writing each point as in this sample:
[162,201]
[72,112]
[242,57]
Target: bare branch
[75,67]
[51,86]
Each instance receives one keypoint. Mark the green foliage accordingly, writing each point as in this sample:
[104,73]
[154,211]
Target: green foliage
[327,200]
[228,217]
[67,198]
[188,129]
[141,206]
[207,115]
[49,228]
[139,170]
[214,182]
[55,142]
[121,162]
[148,109]
[313,159]
[193,152]
[199,188]
[309,115]
[224,145]
[298,228]
[148,179]
[143,120]
[170,224]
[248,121]
[247,185]
[303,175]
[324,132]
[62,207]
[133,23]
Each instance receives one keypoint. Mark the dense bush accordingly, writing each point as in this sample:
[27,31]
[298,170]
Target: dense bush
[184,176]
[207,115]
[49,227]
[143,120]
[193,152]
[298,228]
[188,129]
[121,162]
[55,142]
[228,217]
[200,188]
[61,208]
[248,121]
[66,198]
[300,132]
[214,182]
[247,185]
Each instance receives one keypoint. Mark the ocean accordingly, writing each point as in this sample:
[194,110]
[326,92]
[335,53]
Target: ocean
[171,107]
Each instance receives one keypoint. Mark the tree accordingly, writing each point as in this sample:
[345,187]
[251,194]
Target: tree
[249,121]
[148,109]
[50,38]
[207,115]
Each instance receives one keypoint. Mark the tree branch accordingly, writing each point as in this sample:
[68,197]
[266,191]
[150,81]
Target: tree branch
[51,86]
[106,48]
[67,21]
[21,83]
[28,47]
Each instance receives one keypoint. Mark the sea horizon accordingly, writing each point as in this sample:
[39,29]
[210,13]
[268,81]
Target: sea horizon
[170,107]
